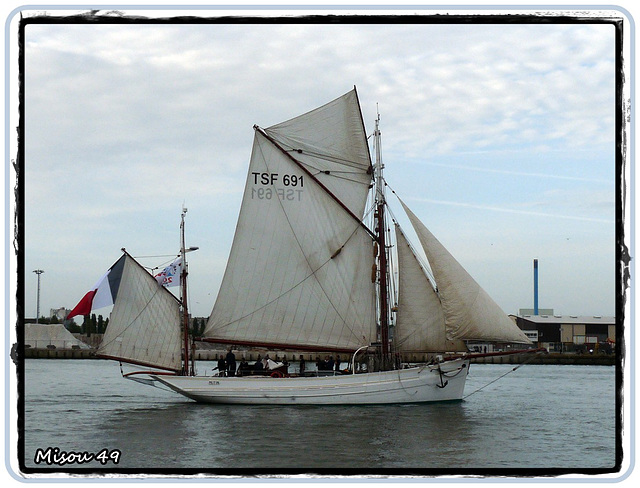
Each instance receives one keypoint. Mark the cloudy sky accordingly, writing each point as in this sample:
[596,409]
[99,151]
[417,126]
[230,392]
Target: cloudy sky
[500,137]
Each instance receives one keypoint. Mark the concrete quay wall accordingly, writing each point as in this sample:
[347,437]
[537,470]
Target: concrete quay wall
[551,358]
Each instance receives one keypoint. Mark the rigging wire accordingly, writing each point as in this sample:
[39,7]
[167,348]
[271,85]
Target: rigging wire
[426,266]
[324,156]
[500,377]
[161,265]
[337,174]
[156,256]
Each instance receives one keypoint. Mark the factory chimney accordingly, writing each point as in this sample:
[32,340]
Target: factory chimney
[535,287]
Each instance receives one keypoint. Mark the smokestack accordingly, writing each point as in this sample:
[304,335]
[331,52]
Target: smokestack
[535,287]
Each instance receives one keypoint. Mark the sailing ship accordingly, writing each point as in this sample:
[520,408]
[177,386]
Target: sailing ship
[318,265]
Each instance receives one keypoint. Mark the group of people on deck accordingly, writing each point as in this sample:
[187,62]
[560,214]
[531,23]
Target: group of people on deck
[227,364]
[328,364]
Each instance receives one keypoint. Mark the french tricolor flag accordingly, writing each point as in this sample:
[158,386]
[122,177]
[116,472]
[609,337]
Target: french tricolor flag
[103,293]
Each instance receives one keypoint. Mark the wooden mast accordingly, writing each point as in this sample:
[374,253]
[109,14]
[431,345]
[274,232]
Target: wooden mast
[382,257]
[183,286]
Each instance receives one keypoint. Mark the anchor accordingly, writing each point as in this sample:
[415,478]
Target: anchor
[442,383]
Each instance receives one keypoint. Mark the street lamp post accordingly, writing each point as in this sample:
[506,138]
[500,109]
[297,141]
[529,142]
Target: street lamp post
[38,272]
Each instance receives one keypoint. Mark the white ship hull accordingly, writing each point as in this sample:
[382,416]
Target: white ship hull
[419,384]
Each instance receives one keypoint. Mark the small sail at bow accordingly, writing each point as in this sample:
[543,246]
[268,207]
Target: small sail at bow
[469,312]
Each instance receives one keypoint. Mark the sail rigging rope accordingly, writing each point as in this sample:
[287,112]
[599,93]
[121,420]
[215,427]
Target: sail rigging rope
[163,265]
[404,388]
[500,377]
[339,174]
[421,259]
[316,154]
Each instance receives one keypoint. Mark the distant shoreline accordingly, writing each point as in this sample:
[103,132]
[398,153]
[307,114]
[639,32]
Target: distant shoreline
[552,358]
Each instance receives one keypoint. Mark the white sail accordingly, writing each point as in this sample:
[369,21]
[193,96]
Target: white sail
[299,269]
[469,312]
[144,326]
[420,324]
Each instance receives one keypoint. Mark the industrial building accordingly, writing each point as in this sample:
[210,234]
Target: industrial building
[570,333]
[562,333]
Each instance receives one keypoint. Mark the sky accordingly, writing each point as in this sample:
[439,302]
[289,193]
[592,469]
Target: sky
[500,137]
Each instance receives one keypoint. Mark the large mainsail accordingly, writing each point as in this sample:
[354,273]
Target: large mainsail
[420,324]
[299,269]
[144,326]
[469,312]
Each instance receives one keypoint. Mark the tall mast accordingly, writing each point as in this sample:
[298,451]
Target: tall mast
[183,286]
[382,259]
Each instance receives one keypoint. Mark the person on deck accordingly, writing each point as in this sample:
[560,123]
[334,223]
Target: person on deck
[328,363]
[222,366]
[302,365]
[258,366]
[231,363]
[243,367]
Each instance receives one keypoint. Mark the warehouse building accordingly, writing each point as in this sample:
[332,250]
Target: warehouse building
[562,333]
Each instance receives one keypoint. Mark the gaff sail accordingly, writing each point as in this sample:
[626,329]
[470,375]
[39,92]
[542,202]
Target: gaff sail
[300,265]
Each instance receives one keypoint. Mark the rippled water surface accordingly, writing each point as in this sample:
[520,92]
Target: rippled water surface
[537,418]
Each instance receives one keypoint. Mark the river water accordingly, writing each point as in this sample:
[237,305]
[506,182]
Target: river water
[537,420]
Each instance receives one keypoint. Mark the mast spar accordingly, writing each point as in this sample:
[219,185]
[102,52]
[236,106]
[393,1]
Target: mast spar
[186,369]
[382,256]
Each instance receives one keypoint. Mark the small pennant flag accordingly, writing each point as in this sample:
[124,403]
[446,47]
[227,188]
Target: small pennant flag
[103,293]
[170,276]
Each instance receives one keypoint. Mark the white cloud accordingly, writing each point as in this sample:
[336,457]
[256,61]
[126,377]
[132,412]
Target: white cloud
[522,211]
